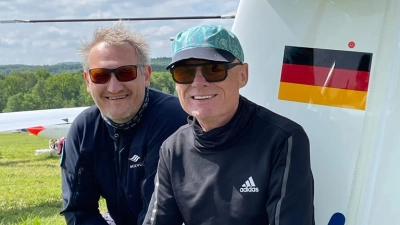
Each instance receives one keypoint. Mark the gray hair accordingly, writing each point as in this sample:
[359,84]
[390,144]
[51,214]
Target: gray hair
[117,34]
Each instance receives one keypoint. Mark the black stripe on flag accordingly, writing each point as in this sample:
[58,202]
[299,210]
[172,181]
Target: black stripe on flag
[350,60]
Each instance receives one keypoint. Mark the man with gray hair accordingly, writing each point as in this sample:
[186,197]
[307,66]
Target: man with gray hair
[112,148]
[235,162]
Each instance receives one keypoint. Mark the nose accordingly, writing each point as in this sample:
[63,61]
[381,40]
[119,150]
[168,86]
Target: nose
[114,85]
[199,79]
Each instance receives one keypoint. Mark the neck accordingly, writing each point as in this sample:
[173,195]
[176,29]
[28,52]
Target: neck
[208,124]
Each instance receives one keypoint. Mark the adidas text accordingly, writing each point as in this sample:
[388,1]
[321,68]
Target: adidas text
[249,189]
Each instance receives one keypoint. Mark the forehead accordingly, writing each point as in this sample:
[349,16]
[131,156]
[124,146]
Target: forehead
[112,55]
[106,46]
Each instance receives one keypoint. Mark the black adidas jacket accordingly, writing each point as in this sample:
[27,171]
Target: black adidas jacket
[254,170]
[118,165]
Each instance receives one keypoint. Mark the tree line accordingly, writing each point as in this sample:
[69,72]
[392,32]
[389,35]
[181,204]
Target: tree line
[158,64]
[23,90]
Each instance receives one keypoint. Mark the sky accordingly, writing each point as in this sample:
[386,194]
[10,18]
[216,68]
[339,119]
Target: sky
[52,43]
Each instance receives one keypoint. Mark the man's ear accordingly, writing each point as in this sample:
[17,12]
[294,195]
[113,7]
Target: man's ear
[147,75]
[86,77]
[244,75]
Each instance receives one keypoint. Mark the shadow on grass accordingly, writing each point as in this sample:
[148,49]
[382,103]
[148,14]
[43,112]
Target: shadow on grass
[38,159]
[11,163]
[45,209]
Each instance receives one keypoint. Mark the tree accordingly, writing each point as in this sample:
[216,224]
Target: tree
[29,80]
[22,102]
[31,102]
[3,99]
[163,81]
[15,103]
[11,85]
[63,90]
[42,74]
[39,92]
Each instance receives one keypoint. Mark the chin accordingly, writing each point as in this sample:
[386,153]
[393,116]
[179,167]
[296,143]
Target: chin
[114,117]
[201,113]
[121,117]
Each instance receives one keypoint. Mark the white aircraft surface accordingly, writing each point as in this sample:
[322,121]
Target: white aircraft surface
[332,66]
[47,123]
[50,131]
[303,58]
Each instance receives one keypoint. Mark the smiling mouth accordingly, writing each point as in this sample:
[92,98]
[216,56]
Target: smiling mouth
[117,97]
[202,97]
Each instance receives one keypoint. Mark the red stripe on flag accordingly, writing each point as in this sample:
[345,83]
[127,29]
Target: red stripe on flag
[322,76]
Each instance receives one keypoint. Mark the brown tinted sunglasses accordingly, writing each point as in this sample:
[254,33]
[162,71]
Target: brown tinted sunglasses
[122,73]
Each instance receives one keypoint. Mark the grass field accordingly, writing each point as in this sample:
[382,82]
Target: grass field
[30,185]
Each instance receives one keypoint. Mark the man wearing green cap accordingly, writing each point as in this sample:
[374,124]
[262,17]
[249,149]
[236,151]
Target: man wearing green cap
[235,162]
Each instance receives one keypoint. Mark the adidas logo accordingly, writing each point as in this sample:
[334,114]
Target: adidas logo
[134,158]
[249,186]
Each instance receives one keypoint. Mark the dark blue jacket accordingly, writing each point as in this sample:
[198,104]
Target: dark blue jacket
[118,165]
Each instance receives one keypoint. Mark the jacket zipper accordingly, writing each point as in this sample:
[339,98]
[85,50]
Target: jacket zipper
[142,185]
[76,187]
[117,167]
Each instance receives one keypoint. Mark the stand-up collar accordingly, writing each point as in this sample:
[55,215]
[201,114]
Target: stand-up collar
[220,138]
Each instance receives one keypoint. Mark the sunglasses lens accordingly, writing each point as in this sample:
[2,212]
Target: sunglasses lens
[123,74]
[214,72]
[126,73]
[184,74]
[100,75]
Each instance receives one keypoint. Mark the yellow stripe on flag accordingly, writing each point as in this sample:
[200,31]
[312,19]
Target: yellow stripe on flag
[322,95]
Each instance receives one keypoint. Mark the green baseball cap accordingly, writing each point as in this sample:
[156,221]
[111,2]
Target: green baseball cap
[208,42]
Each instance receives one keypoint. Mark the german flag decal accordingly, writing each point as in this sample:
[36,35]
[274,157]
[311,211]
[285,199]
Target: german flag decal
[325,77]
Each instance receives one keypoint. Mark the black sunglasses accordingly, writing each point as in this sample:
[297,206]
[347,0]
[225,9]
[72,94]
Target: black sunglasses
[122,73]
[212,72]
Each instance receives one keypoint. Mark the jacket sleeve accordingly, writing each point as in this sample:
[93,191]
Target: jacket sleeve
[163,209]
[292,185]
[79,190]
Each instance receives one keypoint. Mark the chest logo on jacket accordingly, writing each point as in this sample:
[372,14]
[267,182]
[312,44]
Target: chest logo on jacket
[135,159]
[249,186]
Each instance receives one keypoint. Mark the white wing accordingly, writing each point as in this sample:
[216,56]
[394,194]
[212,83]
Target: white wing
[24,119]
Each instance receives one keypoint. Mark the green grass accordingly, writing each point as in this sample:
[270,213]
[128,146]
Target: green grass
[30,185]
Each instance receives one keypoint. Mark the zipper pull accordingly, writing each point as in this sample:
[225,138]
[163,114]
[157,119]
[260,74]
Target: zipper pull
[79,174]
